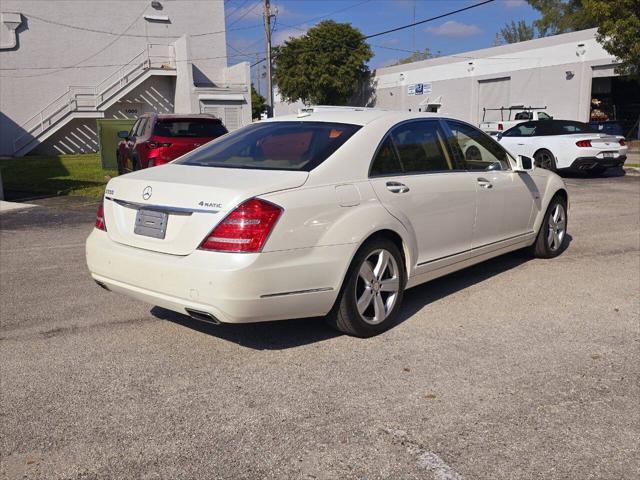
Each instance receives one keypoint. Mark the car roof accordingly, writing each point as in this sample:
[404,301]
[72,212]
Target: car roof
[554,121]
[354,116]
[178,116]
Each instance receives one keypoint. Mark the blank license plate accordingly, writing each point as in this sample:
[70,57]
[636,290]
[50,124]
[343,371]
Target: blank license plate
[151,223]
[608,154]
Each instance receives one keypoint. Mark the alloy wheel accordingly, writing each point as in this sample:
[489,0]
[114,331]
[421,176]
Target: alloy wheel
[377,286]
[557,227]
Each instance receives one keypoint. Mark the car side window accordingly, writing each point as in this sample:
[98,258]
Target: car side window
[134,128]
[421,147]
[141,126]
[479,151]
[386,161]
[527,129]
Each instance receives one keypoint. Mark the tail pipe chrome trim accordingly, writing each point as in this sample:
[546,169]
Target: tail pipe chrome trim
[202,316]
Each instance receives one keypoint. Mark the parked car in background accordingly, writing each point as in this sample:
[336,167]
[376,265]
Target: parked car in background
[515,115]
[565,145]
[609,127]
[157,139]
[331,213]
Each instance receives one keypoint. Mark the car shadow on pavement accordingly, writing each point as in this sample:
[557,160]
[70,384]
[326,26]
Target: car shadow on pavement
[294,333]
[608,173]
[278,335]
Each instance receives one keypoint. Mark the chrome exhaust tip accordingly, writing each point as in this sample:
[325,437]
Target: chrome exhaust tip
[202,316]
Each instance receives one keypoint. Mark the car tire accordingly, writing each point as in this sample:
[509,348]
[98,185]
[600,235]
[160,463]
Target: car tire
[544,159]
[552,235]
[372,291]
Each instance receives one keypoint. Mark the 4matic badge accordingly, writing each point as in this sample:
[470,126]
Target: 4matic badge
[210,204]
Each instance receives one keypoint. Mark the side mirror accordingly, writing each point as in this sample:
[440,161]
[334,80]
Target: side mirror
[499,136]
[524,164]
[123,134]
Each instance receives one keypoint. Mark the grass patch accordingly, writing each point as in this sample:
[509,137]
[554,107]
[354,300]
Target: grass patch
[632,165]
[80,175]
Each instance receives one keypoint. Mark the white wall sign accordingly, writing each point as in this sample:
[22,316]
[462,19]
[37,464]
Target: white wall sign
[419,89]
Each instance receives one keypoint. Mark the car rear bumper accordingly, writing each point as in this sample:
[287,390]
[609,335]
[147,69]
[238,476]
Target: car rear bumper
[233,288]
[590,163]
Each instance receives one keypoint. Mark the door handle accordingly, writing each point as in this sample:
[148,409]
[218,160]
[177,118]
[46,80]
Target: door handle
[397,187]
[484,183]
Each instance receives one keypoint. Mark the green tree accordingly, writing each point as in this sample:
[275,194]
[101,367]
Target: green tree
[618,25]
[325,66]
[516,32]
[619,30]
[561,16]
[258,104]
[416,57]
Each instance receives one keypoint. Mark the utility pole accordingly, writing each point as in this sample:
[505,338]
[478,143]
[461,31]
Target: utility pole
[414,27]
[257,65]
[267,36]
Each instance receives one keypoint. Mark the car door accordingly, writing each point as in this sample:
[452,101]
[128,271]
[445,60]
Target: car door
[126,147]
[505,199]
[140,146]
[520,140]
[416,178]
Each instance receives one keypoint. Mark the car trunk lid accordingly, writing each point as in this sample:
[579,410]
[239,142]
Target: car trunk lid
[599,141]
[171,209]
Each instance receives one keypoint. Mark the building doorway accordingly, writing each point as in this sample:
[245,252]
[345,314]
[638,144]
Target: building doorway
[615,105]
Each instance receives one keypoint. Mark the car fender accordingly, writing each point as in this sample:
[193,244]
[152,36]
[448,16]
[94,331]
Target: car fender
[549,184]
[314,217]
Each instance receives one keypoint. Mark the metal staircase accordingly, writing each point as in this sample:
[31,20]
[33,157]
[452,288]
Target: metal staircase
[92,101]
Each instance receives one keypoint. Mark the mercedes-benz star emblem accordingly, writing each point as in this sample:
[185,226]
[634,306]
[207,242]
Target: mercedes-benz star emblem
[146,193]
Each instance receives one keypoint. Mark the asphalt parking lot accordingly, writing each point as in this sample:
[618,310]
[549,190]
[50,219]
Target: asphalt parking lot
[513,369]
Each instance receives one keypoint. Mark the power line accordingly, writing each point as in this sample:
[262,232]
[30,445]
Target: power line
[68,67]
[245,13]
[429,19]
[236,9]
[131,35]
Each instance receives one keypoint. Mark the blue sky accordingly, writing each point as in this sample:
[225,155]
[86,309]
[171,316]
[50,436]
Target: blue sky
[462,32]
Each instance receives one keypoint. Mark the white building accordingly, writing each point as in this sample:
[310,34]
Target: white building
[571,74]
[65,64]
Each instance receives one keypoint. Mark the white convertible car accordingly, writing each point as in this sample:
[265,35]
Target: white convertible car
[565,145]
[330,213]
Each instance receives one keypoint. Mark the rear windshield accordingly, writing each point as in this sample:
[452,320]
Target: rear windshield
[564,128]
[189,128]
[273,146]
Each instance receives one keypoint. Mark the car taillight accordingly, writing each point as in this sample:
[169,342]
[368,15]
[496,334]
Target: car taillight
[500,126]
[245,229]
[622,142]
[583,143]
[100,223]
[158,144]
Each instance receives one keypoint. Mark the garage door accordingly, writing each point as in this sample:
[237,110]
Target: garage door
[229,112]
[494,93]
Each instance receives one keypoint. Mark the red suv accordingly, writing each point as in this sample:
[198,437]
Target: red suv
[157,139]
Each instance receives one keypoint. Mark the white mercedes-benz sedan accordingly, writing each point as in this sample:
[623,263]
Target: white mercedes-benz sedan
[329,213]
